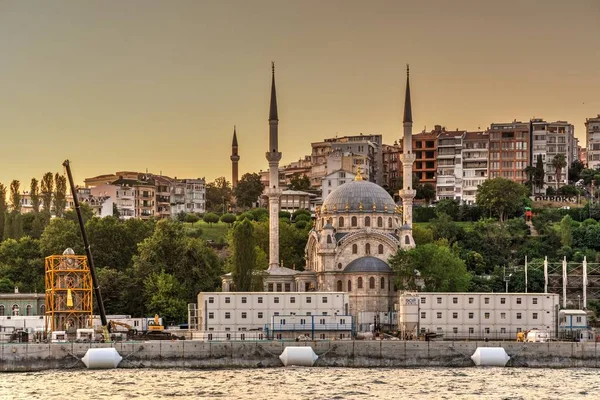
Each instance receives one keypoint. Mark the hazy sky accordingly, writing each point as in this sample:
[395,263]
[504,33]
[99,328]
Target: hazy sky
[158,85]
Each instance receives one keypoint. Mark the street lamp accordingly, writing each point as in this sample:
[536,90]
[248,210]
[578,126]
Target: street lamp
[578,302]
[506,278]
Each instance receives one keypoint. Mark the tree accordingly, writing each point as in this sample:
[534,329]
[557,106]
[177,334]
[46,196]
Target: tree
[47,188]
[191,218]
[298,182]
[60,195]
[59,235]
[243,256]
[218,194]
[163,294]
[228,219]
[449,207]
[539,173]
[2,210]
[575,171]
[34,192]
[559,162]
[430,268]
[210,218]
[15,196]
[426,192]
[248,190]
[443,227]
[86,213]
[501,196]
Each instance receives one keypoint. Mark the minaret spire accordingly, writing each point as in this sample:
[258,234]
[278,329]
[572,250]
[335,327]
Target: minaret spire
[407,104]
[234,159]
[407,158]
[273,191]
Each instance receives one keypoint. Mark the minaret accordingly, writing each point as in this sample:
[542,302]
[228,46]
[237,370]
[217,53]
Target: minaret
[234,160]
[273,191]
[407,158]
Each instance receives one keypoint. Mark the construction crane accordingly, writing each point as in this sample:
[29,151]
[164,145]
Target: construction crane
[88,252]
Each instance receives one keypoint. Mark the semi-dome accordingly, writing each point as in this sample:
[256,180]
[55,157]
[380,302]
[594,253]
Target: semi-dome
[368,264]
[353,195]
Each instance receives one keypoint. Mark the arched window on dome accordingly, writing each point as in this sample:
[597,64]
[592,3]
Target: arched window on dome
[341,222]
[383,282]
[368,248]
[380,249]
[354,222]
[28,310]
[379,222]
[371,283]
[339,265]
[339,286]
[390,223]
[367,221]
[328,239]
[406,239]
[349,285]
[354,248]
[360,285]
[330,220]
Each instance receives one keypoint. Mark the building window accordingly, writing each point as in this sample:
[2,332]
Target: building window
[367,221]
[339,286]
[406,239]
[379,222]
[244,315]
[380,249]
[455,315]
[211,315]
[279,287]
[471,315]
[270,287]
[329,239]
[339,265]
[360,283]
[439,300]
[518,300]
[349,285]
[455,300]
[423,300]
[382,283]
[502,330]
[423,315]
[227,300]
[486,300]
[309,300]
[341,222]
[324,300]
[439,315]
[260,314]
[518,315]
[322,321]
[502,300]
[302,321]
[28,310]
[471,331]
[535,315]
[503,315]
[355,249]
[342,321]
[368,248]
[244,300]
[42,310]
[15,310]
[534,300]
[353,220]
[288,287]
[260,300]
[211,300]
[292,299]
[486,315]
[455,330]
[578,319]
[390,223]
[371,283]
[487,330]
[227,315]
[276,313]
[276,300]
[471,300]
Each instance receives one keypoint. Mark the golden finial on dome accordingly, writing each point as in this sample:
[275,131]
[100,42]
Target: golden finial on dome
[385,207]
[374,206]
[335,208]
[360,206]
[358,175]
[325,209]
[347,206]
[318,209]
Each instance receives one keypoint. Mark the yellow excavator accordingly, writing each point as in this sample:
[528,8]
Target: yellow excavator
[154,324]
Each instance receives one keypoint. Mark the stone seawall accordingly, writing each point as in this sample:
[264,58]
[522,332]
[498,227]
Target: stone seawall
[247,354]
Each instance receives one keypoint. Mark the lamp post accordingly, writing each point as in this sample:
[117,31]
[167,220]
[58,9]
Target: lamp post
[506,278]
[578,302]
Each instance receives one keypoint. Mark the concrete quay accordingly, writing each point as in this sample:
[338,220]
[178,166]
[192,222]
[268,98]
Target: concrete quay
[253,354]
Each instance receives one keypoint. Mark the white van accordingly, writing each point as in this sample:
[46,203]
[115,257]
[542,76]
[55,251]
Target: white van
[537,336]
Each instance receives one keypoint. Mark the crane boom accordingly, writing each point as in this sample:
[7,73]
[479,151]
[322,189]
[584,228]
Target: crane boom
[88,252]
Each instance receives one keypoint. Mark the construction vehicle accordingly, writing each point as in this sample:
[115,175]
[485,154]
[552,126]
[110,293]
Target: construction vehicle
[154,324]
[521,336]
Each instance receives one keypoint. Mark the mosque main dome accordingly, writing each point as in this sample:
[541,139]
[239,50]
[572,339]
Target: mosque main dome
[359,195]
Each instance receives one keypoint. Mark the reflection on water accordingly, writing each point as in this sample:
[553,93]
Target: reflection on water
[305,383]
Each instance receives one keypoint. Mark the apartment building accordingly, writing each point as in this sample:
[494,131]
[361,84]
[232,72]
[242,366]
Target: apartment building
[592,135]
[335,179]
[392,171]
[477,315]
[549,140]
[301,167]
[509,151]
[475,154]
[424,146]
[449,165]
[163,196]
[269,315]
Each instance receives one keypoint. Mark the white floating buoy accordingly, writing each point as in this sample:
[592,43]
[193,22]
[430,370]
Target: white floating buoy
[490,357]
[298,355]
[102,358]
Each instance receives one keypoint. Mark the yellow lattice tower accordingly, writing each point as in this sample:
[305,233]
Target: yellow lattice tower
[69,302]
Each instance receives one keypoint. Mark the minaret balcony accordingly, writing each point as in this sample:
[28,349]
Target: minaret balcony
[408,193]
[273,156]
[408,158]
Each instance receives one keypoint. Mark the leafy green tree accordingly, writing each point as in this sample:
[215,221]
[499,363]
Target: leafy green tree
[46,189]
[501,196]
[116,286]
[191,218]
[13,225]
[243,256]
[426,192]
[218,194]
[228,219]
[248,190]
[6,285]
[211,218]
[539,173]
[433,267]
[449,207]
[3,208]
[575,171]
[285,215]
[15,196]
[475,263]
[565,229]
[115,211]
[163,294]
[60,194]
[422,235]
[568,190]
[86,213]
[298,182]
[59,235]
[443,227]
[34,192]
[559,162]
[21,262]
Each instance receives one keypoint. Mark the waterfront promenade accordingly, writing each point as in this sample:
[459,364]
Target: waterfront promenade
[252,354]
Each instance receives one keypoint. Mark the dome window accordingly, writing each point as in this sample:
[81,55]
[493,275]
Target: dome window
[380,249]
[367,221]
[341,222]
[354,248]
[371,283]
[360,282]
[354,221]
[379,222]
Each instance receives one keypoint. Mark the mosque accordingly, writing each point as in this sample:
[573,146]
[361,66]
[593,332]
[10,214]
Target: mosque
[356,230]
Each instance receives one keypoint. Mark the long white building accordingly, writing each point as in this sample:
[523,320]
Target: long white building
[270,315]
[477,315]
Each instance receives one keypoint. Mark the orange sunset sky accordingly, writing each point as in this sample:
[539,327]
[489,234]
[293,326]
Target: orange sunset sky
[159,85]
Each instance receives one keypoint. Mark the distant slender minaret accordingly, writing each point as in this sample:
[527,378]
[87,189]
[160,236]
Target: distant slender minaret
[273,191]
[407,158]
[234,160]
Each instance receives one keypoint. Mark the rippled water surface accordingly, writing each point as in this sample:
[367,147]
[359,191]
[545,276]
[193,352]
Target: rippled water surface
[305,383]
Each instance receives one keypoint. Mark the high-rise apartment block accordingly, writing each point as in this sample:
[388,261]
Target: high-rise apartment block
[475,154]
[549,140]
[592,134]
[509,151]
[449,165]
